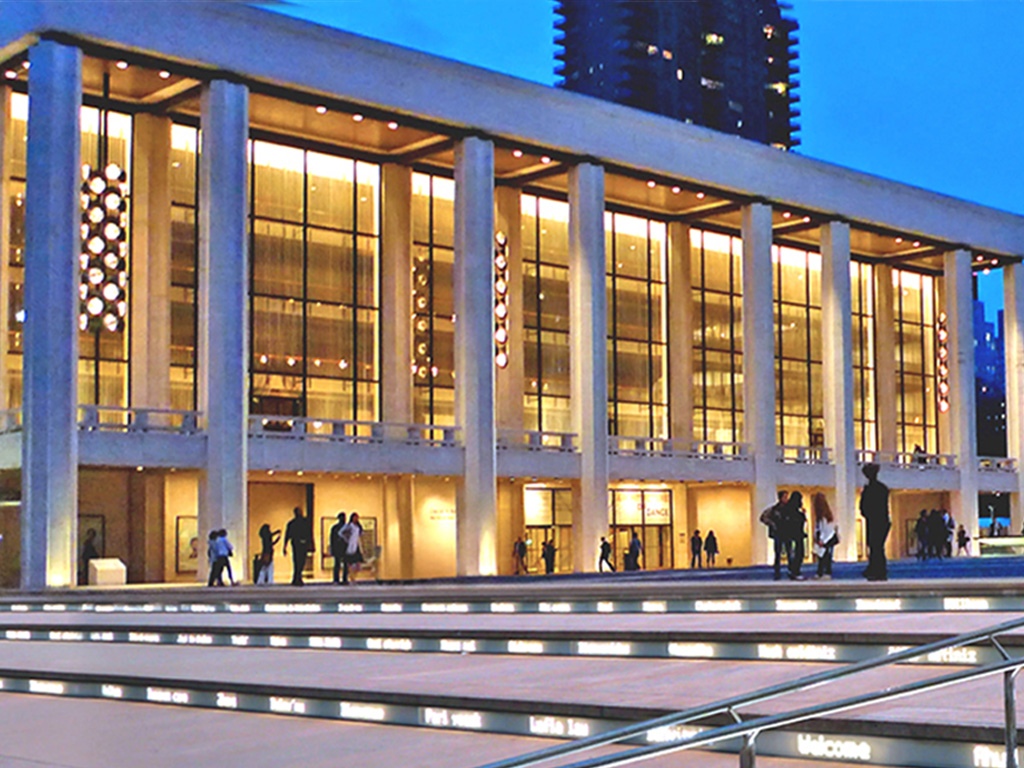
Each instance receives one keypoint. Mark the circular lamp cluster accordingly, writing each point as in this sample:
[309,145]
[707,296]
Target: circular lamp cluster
[500,300]
[104,249]
[421,365]
[942,362]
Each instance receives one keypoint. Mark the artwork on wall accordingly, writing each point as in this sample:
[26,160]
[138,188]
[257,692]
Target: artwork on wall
[97,524]
[186,544]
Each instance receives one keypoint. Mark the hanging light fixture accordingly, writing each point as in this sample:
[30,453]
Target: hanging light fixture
[501,300]
[104,277]
[942,362]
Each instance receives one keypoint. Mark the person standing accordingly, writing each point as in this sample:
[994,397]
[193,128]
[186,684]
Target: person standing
[217,556]
[772,517]
[921,533]
[874,508]
[89,552]
[338,546]
[300,533]
[696,547]
[353,557]
[793,531]
[963,541]
[547,552]
[710,549]
[949,529]
[606,554]
[635,550]
[227,550]
[268,539]
[519,556]
[826,534]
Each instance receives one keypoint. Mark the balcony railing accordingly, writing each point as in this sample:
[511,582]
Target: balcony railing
[803,454]
[619,445]
[109,418]
[997,464]
[10,421]
[909,460]
[533,440]
[351,432]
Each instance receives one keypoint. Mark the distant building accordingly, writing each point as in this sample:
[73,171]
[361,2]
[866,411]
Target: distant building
[990,383]
[725,64]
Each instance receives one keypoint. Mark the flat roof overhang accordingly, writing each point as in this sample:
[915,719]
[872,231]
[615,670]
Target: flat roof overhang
[278,55]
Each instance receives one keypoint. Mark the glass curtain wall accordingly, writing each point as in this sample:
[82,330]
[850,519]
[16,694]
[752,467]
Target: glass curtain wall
[184,259]
[649,514]
[635,258]
[103,355]
[433,367]
[315,234]
[799,404]
[545,243]
[915,297]
[717,336]
[865,418]
[547,514]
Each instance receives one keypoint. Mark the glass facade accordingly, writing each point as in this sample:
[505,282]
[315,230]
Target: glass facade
[433,234]
[915,298]
[648,512]
[865,415]
[636,252]
[799,402]
[103,355]
[184,260]
[315,232]
[717,281]
[547,514]
[545,244]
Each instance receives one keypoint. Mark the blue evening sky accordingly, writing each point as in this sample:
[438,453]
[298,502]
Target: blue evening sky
[926,92]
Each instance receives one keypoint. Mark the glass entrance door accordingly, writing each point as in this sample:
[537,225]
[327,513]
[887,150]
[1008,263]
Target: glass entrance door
[548,516]
[649,514]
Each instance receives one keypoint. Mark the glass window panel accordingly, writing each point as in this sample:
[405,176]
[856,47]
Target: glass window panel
[793,327]
[553,298]
[329,399]
[716,262]
[277,335]
[279,181]
[630,246]
[366,271]
[555,364]
[368,186]
[537,506]
[183,326]
[183,382]
[329,191]
[277,259]
[554,231]
[631,305]
[444,211]
[183,246]
[329,275]
[183,164]
[631,372]
[557,415]
[528,223]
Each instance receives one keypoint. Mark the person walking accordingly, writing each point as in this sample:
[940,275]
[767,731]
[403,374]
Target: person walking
[606,556]
[696,547]
[635,550]
[963,541]
[826,534]
[936,534]
[772,517]
[793,531]
[710,549]
[268,538]
[353,557]
[874,508]
[299,532]
[228,550]
[519,556]
[338,547]
[217,557]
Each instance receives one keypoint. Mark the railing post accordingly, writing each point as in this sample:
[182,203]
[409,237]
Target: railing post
[1010,704]
[748,753]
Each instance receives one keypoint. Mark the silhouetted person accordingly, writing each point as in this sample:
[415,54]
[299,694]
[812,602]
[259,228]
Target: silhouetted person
[337,546]
[519,555]
[826,534]
[963,542]
[217,557]
[772,517]
[606,554]
[633,556]
[792,530]
[226,547]
[350,536]
[268,538]
[710,549]
[921,532]
[547,552]
[874,507]
[300,533]
[696,547]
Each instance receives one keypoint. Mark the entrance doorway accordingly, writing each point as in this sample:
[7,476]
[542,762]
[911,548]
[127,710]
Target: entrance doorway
[649,513]
[548,516]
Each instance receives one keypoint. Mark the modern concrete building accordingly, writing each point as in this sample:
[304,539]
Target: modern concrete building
[724,64]
[335,274]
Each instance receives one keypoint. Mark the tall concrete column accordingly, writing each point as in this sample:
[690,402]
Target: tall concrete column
[49,474]
[680,332]
[886,394]
[223,310]
[476,494]
[959,308]
[396,295]
[1013,342]
[397,549]
[588,340]
[510,379]
[759,366]
[837,346]
[151,263]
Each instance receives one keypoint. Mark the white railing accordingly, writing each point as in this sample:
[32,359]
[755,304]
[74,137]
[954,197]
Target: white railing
[909,460]
[10,421]
[803,454]
[355,432]
[997,464]
[534,440]
[109,418]
[619,445]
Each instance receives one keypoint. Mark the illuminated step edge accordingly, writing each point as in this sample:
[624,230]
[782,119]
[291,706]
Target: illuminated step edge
[505,646]
[896,604]
[869,750]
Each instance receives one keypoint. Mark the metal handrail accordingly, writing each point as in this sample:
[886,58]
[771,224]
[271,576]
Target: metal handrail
[764,694]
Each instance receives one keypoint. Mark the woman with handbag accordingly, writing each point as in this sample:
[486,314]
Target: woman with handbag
[826,534]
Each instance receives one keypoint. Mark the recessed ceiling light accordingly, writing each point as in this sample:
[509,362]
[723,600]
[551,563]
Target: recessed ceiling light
[164,74]
[10,74]
[676,190]
[651,183]
[786,214]
[700,195]
[917,243]
[321,109]
[122,65]
[358,118]
[517,153]
[899,239]
[545,160]
[393,126]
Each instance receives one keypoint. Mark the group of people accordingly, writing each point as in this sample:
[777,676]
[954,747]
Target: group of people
[547,555]
[787,522]
[935,530]
[708,546]
[344,548]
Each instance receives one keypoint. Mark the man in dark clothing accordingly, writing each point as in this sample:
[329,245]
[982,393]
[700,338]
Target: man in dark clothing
[338,545]
[606,555]
[696,547]
[300,533]
[547,552]
[874,507]
[772,517]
